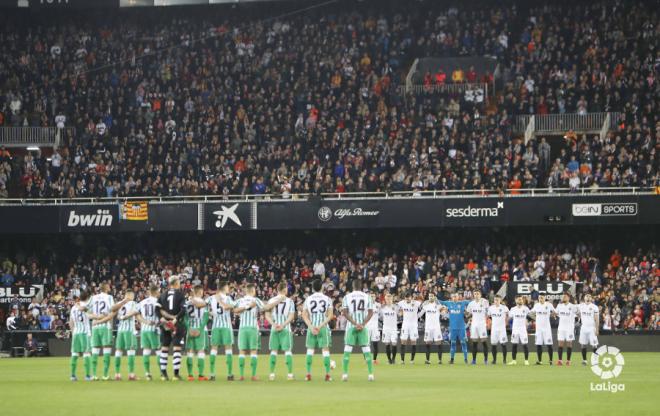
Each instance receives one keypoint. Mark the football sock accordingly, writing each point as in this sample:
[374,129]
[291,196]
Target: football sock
[162,359]
[569,351]
[87,362]
[106,361]
[189,363]
[368,358]
[374,347]
[74,364]
[403,352]
[584,354]
[272,361]
[308,360]
[428,352]
[241,364]
[452,349]
[485,350]
[440,352]
[475,349]
[212,357]
[201,362]
[229,358]
[326,361]
[539,353]
[176,362]
[393,353]
[288,359]
[95,361]
[414,351]
[117,362]
[345,360]
[465,351]
[253,364]
[388,352]
[503,353]
[131,362]
[514,351]
[526,350]
[560,352]
[550,352]
[493,350]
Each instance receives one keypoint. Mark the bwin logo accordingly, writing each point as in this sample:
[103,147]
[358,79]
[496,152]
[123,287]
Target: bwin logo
[102,218]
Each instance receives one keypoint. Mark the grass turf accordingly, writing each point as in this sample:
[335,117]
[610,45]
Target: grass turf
[42,384]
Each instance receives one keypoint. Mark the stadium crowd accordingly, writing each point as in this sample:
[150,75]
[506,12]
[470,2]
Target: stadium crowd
[623,283]
[192,102]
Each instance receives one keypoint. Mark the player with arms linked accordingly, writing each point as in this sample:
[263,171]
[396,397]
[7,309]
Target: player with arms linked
[456,309]
[317,313]
[358,310]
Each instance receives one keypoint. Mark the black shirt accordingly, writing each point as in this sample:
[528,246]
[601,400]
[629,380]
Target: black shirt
[172,302]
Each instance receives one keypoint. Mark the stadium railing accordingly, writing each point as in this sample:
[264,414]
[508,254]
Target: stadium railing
[434,194]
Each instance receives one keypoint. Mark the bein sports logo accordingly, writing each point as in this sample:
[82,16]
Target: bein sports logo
[601,210]
[607,363]
[102,218]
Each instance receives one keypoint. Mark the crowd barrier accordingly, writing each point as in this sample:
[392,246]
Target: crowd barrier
[324,213]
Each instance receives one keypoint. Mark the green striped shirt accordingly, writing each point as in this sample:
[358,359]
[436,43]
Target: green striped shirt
[221,317]
[249,316]
[80,320]
[196,318]
[127,324]
[282,311]
[317,305]
[148,311]
[358,304]
[100,305]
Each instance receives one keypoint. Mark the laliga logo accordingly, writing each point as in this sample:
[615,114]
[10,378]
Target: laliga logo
[606,363]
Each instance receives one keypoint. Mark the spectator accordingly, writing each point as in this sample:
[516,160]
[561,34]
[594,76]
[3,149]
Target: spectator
[30,346]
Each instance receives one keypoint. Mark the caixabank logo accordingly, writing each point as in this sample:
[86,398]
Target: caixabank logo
[607,363]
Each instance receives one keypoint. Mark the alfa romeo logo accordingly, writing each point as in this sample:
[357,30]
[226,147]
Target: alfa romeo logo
[325,214]
[607,362]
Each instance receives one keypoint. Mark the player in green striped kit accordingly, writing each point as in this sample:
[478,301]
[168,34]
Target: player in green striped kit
[281,339]
[317,313]
[126,339]
[222,334]
[101,306]
[80,336]
[358,309]
[148,318]
[248,308]
[197,316]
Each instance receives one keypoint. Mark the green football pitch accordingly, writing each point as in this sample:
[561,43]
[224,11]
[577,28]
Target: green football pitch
[41,385]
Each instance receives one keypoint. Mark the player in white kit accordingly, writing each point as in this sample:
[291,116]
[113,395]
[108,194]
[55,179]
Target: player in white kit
[567,313]
[389,313]
[590,318]
[542,312]
[498,313]
[372,327]
[519,314]
[431,311]
[478,308]
[408,308]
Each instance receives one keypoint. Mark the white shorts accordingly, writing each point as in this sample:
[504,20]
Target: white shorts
[374,335]
[566,335]
[588,337]
[498,336]
[433,335]
[390,336]
[543,336]
[409,333]
[519,336]
[478,331]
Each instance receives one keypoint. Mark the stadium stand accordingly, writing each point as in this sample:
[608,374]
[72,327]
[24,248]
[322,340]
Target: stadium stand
[192,102]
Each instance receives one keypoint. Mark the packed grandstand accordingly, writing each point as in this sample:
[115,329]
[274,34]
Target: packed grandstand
[216,102]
